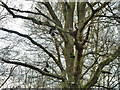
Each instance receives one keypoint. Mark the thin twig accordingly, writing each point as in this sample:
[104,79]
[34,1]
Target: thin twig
[11,71]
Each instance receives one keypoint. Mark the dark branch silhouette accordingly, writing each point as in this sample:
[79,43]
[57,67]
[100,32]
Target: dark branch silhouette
[35,43]
[32,67]
[46,23]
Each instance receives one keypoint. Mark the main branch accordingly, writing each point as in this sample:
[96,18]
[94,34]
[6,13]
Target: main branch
[33,68]
[35,43]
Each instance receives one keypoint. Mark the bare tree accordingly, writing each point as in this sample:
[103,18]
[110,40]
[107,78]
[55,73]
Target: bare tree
[81,35]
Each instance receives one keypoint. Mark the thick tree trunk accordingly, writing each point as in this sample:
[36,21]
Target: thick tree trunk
[68,48]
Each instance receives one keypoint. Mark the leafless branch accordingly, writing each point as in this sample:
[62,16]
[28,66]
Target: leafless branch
[32,67]
[103,87]
[44,15]
[86,38]
[11,71]
[94,79]
[90,6]
[89,68]
[24,17]
[52,13]
[35,43]
[92,15]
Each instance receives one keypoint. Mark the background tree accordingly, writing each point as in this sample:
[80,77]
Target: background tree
[74,43]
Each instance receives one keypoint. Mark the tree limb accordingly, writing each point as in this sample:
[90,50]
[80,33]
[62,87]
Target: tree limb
[30,12]
[98,71]
[110,17]
[24,17]
[35,43]
[92,15]
[46,23]
[88,69]
[45,15]
[90,6]
[33,68]
[11,71]
[52,13]
[64,10]
[86,38]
